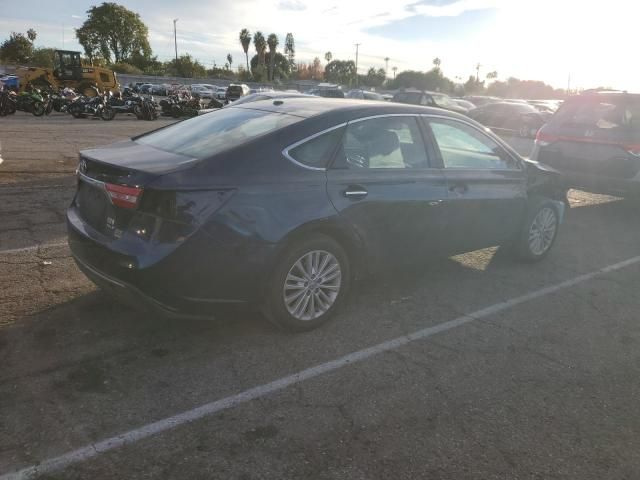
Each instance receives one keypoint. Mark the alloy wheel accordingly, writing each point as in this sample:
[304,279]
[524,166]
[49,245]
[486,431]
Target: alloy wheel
[312,285]
[542,231]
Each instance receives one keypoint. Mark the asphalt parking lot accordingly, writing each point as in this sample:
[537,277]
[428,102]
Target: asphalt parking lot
[472,367]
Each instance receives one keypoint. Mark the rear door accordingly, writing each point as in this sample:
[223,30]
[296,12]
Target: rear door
[595,140]
[486,186]
[382,183]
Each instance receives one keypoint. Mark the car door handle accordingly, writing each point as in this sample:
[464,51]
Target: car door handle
[459,188]
[355,192]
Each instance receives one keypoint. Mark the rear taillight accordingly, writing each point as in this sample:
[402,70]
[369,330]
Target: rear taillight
[124,197]
[544,139]
[633,149]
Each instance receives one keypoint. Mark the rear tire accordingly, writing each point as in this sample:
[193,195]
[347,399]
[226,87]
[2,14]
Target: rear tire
[310,283]
[539,231]
[107,114]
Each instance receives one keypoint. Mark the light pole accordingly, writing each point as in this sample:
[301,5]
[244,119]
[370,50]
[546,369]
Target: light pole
[357,47]
[175,38]
[386,66]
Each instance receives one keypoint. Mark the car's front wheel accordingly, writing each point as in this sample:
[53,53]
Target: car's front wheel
[309,284]
[539,232]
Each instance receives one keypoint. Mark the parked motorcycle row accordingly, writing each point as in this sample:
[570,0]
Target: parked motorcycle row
[103,105]
[186,105]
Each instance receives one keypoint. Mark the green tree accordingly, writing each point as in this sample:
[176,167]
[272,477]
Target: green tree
[340,71]
[245,40]
[272,41]
[114,32]
[281,65]
[16,49]
[290,51]
[374,78]
[328,56]
[492,75]
[43,57]
[31,35]
[260,45]
[186,67]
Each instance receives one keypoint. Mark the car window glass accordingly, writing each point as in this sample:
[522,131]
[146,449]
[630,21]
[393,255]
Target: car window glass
[318,151]
[604,115]
[388,142]
[206,135]
[462,146]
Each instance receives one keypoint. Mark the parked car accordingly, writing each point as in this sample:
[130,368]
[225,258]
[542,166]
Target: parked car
[146,88]
[220,93]
[282,206]
[136,86]
[364,95]
[544,105]
[430,99]
[594,140]
[481,100]
[235,91]
[327,92]
[202,91]
[162,90]
[463,103]
[272,95]
[510,118]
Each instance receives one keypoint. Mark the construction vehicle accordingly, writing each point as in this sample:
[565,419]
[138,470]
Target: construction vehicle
[68,71]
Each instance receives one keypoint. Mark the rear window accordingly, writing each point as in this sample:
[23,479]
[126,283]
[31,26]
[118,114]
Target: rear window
[206,135]
[408,97]
[605,114]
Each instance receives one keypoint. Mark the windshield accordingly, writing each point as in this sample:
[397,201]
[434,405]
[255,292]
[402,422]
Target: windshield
[215,132]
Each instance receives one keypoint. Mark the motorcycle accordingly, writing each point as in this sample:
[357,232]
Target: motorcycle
[177,106]
[7,102]
[97,106]
[31,101]
[62,99]
[144,108]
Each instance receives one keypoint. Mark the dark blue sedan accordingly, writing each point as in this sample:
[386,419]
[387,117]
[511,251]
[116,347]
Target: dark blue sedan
[281,204]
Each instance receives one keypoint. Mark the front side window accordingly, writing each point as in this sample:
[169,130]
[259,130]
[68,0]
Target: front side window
[206,135]
[462,146]
[317,152]
[386,142]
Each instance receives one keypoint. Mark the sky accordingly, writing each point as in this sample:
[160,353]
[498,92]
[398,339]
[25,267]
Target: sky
[588,43]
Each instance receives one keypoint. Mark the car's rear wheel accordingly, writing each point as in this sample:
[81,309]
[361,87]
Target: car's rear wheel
[309,284]
[539,232]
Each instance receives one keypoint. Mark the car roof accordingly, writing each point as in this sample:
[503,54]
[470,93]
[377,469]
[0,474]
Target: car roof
[308,107]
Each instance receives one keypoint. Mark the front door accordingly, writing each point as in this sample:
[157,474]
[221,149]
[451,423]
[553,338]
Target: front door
[487,191]
[382,184]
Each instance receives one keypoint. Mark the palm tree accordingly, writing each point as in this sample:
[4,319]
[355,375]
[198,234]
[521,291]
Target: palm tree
[492,75]
[229,59]
[328,56]
[261,45]
[245,40]
[272,41]
[437,62]
[386,65]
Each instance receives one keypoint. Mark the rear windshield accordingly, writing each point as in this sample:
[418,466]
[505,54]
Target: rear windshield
[408,97]
[603,114]
[206,135]
[235,89]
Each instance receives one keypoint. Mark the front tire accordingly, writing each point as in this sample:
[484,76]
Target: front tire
[309,284]
[539,231]
[38,109]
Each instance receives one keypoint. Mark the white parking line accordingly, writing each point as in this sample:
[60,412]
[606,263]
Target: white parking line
[132,436]
[32,248]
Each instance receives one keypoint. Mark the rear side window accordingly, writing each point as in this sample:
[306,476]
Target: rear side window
[206,135]
[317,151]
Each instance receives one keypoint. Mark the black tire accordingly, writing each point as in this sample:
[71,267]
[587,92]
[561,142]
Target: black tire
[540,212]
[275,307]
[37,109]
[176,111]
[107,114]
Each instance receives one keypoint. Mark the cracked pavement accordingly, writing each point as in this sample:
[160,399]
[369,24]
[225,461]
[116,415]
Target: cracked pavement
[547,389]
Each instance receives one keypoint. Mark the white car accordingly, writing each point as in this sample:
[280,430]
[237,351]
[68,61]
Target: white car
[202,91]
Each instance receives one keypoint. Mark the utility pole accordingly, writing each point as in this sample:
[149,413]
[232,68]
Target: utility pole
[569,85]
[63,35]
[394,72]
[386,66]
[357,46]
[478,73]
[175,38]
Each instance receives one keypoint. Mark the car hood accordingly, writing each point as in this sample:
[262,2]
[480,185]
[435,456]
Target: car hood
[131,155]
